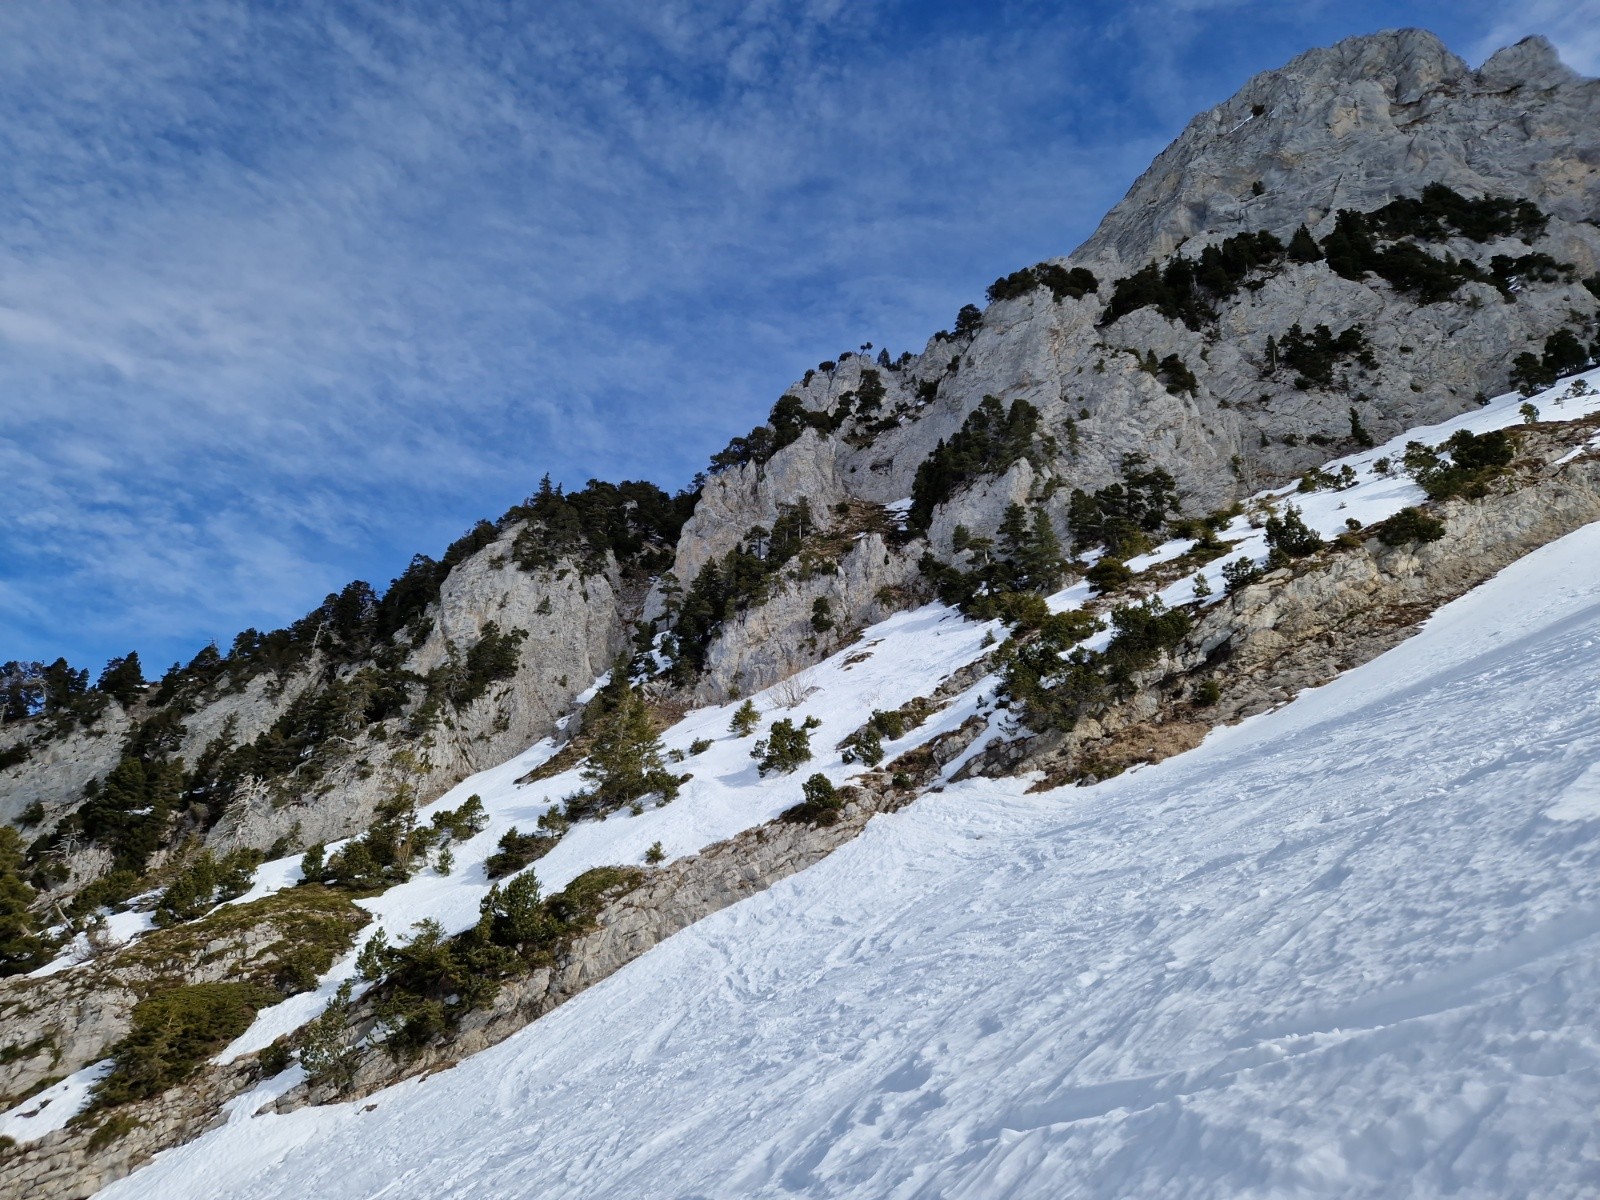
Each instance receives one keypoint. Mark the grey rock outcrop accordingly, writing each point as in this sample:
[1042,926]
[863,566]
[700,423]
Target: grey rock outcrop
[771,641]
[1355,124]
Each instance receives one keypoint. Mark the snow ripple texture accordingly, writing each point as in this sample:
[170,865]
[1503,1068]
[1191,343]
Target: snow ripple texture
[1345,949]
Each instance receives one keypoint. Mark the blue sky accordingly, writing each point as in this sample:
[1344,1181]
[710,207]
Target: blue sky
[289,291]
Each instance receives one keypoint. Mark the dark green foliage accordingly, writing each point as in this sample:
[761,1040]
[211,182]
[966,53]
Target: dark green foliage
[1207,693]
[1241,572]
[380,858]
[1047,677]
[1354,252]
[431,979]
[785,747]
[821,805]
[205,882]
[865,744]
[1141,633]
[989,442]
[1176,377]
[968,321]
[516,851]
[1511,273]
[1319,480]
[1441,212]
[62,687]
[1563,354]
[462,822]
[1108,574]
[174,1031]
[21,690]
[1410,525]
[327,1054]
[1315,355]
[745,719]
[1076,283]
[429,982]
[1470,462]
[735,582]
[1031,558]
[1289,537]
[625,762]
[122,680]
[1358,431]
[636,522]
[1121,516]
[1303,247]
[21,947]
[129,812]
[1593,284]
[821,615]
[494,656]
[1188,290]
[1353,248]
[870,393]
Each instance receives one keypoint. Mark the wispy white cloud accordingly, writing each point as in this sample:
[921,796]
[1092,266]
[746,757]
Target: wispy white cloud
[1573,27]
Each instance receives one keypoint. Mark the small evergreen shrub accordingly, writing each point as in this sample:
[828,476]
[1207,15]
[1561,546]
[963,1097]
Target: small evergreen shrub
[205,882]
[1289,537]
[746,720]
[1470,463]
[173,1032]
[1109,574]
[785,747]
[517,850]
[822,803]
[1410,525]
[1239,573]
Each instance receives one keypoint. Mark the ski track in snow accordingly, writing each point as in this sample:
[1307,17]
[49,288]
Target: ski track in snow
[1347,948]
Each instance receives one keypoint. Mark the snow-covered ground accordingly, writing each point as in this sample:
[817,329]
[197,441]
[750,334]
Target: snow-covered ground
[894,661]
[1347,948]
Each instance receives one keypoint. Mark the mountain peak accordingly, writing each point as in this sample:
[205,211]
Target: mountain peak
[1354,125]
[1532,62]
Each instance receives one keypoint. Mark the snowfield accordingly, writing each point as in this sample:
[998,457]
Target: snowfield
[1346,949]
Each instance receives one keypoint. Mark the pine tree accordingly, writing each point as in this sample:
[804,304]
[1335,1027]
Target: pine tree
[21,947]
[745,719]
[625,762]
[1303,247]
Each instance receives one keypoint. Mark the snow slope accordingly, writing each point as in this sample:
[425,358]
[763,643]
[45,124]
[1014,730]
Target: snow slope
[1345,949]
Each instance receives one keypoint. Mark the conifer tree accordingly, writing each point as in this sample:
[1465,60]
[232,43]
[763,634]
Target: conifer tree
[745,719]
[1303,247]
[625,761]
[21,947]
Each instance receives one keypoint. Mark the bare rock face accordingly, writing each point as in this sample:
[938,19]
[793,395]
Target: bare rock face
[54,773]
[574,626]
[769,642]
[1350,126]
[1355,124]
[750,495]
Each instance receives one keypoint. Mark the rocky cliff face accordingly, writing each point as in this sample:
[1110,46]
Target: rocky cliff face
[1355,124]
[574,625]
[1349,127]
